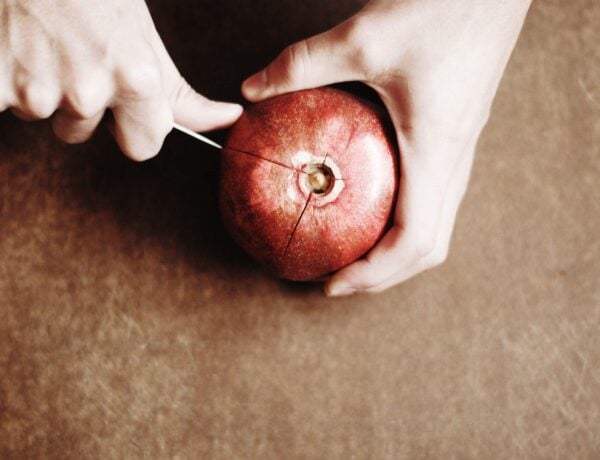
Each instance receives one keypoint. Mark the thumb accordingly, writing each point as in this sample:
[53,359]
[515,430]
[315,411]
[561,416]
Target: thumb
[317,61]
[189,108]
[199,113]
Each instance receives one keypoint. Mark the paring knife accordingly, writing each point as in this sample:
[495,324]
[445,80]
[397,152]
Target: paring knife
[195,135]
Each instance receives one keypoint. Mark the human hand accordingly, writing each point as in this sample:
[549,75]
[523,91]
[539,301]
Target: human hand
[436,65]
[72,60]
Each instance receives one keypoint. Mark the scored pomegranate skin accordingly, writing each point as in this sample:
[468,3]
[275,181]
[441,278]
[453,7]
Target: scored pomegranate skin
[308,181]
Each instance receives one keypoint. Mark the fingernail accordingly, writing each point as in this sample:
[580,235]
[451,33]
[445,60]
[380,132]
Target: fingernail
[339,289]
[254,85]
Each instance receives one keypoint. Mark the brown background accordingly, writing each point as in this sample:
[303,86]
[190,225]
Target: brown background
[132,327]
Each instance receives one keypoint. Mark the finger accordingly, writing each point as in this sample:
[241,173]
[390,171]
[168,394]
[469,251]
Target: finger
[6,95]
[88,94]
[21,115]
[438,255]
[191,109]
[85,99]
[141,127]
[141,110]
[5,100]
[198,113]
[317,61]
[413,237]
[73,129]
[389,263]
[36,101]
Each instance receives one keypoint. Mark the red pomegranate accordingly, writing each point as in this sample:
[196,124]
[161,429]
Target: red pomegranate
[308,181]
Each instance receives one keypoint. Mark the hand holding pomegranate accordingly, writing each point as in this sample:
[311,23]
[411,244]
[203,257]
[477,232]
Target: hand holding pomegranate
[436,65]
[308,181]
[72,60]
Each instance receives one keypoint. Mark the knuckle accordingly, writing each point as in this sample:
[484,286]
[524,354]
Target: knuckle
[39,102]
[139,81]
[84,102]
[425,247]
[139,153]
[371,277]
[365,58]
[181,92]
[363,51]
[162,126]
[437,257]
[167,125]
[295,61]
[148,144]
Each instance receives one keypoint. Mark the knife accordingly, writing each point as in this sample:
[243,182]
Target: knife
[195,135]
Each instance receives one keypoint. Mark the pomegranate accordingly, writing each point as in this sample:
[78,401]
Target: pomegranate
[308,181]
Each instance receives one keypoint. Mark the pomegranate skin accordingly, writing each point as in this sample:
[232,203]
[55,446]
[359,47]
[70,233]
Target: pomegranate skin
[308,181]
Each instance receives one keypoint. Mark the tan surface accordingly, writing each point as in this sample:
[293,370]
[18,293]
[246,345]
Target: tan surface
[131,327]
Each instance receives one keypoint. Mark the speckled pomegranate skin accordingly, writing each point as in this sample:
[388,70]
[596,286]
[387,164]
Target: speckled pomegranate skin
[265,203]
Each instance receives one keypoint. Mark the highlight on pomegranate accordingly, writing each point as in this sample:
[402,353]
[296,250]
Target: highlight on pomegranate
[308,181]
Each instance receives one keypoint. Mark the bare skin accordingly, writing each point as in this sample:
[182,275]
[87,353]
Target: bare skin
[436,65]
[73,60]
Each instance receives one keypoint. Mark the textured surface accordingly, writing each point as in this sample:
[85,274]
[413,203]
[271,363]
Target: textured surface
[265,201]
[131,327]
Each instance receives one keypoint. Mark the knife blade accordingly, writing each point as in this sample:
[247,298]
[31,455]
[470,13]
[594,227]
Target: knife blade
[197,136]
